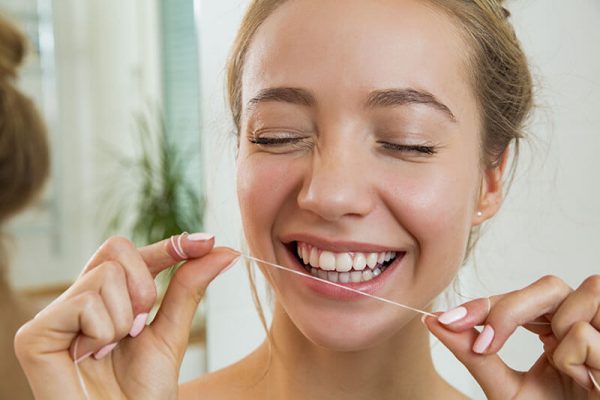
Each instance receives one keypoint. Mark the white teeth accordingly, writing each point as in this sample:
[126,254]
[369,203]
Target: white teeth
[356,276]
[303,253]
[372,260]
[343,262]
[343,267]
[332,276]
[327,261]
[344,277]
[314,257]
[360,261]
[306,254]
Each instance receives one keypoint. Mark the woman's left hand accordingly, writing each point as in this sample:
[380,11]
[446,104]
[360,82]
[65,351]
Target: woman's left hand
[567,322]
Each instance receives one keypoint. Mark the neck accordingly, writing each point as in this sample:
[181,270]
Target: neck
[398,367]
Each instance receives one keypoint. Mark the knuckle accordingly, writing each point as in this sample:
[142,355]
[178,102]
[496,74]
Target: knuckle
[579,331]
[550,280]
[106,333]
[90,301]
[123,325]
[592,284]
[556,284]
[146,295]
[112,271]
[115,245]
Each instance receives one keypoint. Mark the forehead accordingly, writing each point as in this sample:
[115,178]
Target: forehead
[344,49]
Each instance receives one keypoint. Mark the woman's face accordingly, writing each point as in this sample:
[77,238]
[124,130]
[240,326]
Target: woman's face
[359,137]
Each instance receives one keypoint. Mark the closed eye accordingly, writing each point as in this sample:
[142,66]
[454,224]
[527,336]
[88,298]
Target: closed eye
[410,148]
[274,141]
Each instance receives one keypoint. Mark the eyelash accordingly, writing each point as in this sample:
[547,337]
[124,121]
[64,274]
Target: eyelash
[267,141]
[421,149]
[414,148]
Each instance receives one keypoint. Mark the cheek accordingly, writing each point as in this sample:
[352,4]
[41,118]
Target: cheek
[436,210]
[265,184]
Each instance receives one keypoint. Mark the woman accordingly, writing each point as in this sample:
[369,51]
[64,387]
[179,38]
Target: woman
[23,171]
[372,143]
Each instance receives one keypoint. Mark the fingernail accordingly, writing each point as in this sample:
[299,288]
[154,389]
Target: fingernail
[594,381]
[227,268]
[450,317]
[138,324]
[100,354]
[200,237]
[83,357]
[484,340]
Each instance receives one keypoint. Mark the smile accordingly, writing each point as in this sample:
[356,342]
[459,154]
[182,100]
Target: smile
[346,267]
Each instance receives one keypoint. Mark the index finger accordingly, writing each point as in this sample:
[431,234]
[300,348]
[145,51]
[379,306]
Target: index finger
[508,311]
[161,255]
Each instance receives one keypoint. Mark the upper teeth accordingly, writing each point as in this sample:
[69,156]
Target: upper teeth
[341,262]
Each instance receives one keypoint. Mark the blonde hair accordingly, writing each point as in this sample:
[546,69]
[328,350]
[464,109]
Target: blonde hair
[500,77]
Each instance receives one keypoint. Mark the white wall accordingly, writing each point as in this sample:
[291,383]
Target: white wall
[550,221]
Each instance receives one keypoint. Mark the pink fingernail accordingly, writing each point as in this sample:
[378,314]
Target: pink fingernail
[138,324]
[200,237]
[484,340]
[100,354]
[227,268]
[83,357]
[450,317]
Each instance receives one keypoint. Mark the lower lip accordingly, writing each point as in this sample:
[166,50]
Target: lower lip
[338,293]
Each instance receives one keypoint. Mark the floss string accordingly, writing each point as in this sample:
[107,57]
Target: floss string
[249,257]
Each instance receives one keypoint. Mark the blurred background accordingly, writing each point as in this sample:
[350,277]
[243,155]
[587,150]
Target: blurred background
[133,94]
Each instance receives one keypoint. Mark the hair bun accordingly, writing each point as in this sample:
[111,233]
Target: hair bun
[12,49]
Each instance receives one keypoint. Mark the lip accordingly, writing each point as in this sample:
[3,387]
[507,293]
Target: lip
[337,246]
[337,293]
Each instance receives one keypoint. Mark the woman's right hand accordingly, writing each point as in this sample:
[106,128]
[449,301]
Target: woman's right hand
[108,304]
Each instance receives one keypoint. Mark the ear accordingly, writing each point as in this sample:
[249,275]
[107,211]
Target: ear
[491,194]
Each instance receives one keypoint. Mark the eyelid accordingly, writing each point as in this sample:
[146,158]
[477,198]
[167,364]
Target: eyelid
[280,133]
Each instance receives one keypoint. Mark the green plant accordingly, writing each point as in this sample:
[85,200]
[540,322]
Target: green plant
[156,199]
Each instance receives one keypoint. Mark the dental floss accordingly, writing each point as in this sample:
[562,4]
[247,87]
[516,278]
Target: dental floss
[594,381]
[338,285]
[81,381]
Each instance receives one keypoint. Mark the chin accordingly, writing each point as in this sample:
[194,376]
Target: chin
[350,331]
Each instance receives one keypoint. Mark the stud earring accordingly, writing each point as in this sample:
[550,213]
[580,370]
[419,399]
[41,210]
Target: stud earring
[479,214]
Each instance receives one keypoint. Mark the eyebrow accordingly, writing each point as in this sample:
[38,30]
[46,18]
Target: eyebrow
[377,98]
[399,97]
[283,94]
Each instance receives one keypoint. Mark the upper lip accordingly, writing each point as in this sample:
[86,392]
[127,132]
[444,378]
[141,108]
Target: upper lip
[337,246]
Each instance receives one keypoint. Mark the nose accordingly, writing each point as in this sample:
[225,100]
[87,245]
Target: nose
[338,185]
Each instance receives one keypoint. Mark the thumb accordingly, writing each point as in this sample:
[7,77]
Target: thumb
[174,318]
[497,379]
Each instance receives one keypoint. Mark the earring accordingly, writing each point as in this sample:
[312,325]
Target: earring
[479,214]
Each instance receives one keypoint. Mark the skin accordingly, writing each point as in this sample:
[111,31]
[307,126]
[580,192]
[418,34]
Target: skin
[339,181]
